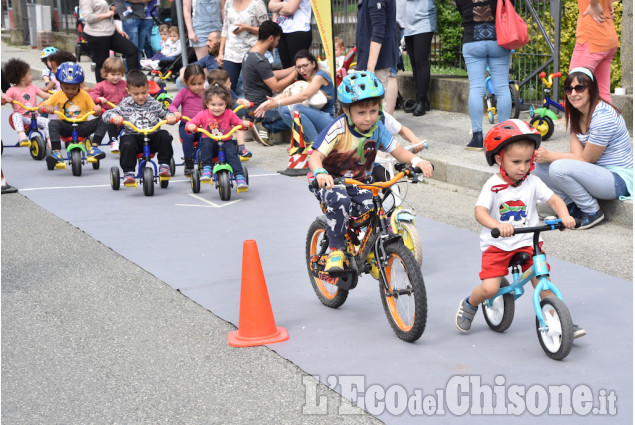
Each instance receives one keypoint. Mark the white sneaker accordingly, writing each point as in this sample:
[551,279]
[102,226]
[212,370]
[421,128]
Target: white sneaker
[114,146]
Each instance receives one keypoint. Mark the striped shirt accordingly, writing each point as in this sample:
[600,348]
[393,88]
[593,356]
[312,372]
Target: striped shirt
[608,129]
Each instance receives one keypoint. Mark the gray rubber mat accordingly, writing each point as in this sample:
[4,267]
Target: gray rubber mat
[194,244]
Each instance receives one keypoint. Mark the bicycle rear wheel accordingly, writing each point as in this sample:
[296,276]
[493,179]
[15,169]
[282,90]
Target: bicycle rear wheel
[317,243]
[403,295]
[500,314]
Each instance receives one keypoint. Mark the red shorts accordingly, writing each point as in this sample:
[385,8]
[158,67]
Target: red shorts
[495,261]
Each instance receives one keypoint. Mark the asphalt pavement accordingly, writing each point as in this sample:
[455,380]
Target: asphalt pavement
[90,337]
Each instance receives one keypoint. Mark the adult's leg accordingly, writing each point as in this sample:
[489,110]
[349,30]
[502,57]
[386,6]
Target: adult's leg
[413,55]
[498,59]
[283,50]
[132,28]
[583,183]
[474,54]
[599,63]
[145,32]
[313,120]
[273,122]
[233,69]
[100,46]
[125,47]
[421,47]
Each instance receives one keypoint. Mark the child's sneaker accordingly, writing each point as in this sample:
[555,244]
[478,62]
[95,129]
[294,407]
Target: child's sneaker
[241,184]
[53,158]
[128,179]
[189,167]
[207,174]
[164,170]
[464,316]
[243,152]
[95,152]
[114,146]
[335,262]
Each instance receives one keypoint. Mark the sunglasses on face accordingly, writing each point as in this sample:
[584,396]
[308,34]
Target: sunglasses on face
[580,88]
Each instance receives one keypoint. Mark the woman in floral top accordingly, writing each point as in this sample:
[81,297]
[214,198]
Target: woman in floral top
[239,34]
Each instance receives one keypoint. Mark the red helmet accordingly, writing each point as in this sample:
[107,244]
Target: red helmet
[506,132]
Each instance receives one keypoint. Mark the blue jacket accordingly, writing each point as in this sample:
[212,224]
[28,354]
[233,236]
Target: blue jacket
[377,21]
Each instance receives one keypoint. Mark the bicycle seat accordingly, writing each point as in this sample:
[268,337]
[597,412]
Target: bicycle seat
[153,88]
[519,259]
[11,120]
[140,155]
[69,139]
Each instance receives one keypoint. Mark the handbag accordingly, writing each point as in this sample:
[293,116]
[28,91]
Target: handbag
[511,30]
[317,101]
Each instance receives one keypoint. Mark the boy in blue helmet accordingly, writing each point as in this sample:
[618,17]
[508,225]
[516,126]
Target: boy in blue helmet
[75,103]
[347,148]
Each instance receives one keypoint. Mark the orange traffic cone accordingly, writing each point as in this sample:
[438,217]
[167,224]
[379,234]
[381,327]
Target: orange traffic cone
[256,325]
[6,187]
[298,156]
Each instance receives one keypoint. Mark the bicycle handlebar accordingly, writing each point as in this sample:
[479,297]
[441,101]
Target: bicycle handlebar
[146,131]
[223,137]
[238,108]
[550,225]
[80,119]
[28,108]
[548,81]
[406,171]
[163,77]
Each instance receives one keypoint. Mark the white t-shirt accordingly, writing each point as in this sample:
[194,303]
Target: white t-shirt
[299,21]
[514,205]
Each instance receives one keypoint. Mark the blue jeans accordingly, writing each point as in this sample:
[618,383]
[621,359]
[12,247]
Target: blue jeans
[145,34]
[478,55]
[233,69]
[581,183]
[273,122]
[131,27]
[209,148]
[313,120]
[187,141]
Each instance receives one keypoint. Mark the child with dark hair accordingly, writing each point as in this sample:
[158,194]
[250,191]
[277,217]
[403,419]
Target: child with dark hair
[18,73]
[190,100]
[219,119]
[144,112]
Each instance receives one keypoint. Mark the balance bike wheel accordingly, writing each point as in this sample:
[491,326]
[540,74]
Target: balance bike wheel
[403,294]
[148,181]
[544,125]
[317,243]
[195,182]
[513,90]
[224,185]
[38,147]
[114,178]
[76,162]
[558,339]
[500,315]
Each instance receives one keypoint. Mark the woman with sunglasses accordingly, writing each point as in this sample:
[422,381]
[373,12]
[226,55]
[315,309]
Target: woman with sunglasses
[599,164]
[314,119]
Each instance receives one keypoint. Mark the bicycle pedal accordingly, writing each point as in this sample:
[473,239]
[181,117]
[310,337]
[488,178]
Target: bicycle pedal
[164,178]
[91,160]
[60,165]
[243,158]
[115,152]
[134,184]
[241,189]
[25,144]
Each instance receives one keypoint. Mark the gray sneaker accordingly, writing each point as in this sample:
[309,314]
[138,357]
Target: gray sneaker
[464,316]
[578,331]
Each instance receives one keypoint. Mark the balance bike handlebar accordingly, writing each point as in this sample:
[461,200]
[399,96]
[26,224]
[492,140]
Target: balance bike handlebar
[555,224]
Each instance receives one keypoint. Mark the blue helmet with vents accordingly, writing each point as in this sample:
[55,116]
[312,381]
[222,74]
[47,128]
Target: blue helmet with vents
[70,73]
[359,86]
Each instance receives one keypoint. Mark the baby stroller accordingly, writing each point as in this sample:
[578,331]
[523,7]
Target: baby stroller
[81,46]
[172,67]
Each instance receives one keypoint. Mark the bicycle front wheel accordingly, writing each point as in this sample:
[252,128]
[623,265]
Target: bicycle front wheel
[403,295]
[317,244]
[557,339]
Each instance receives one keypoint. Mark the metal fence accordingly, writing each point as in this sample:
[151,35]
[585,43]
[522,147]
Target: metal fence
[543,19]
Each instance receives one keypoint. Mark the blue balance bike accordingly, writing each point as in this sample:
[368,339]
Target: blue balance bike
[544,117]
[75,147]
[223,174]
[490,99]
[36,142]
[147,170]
[553,321]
